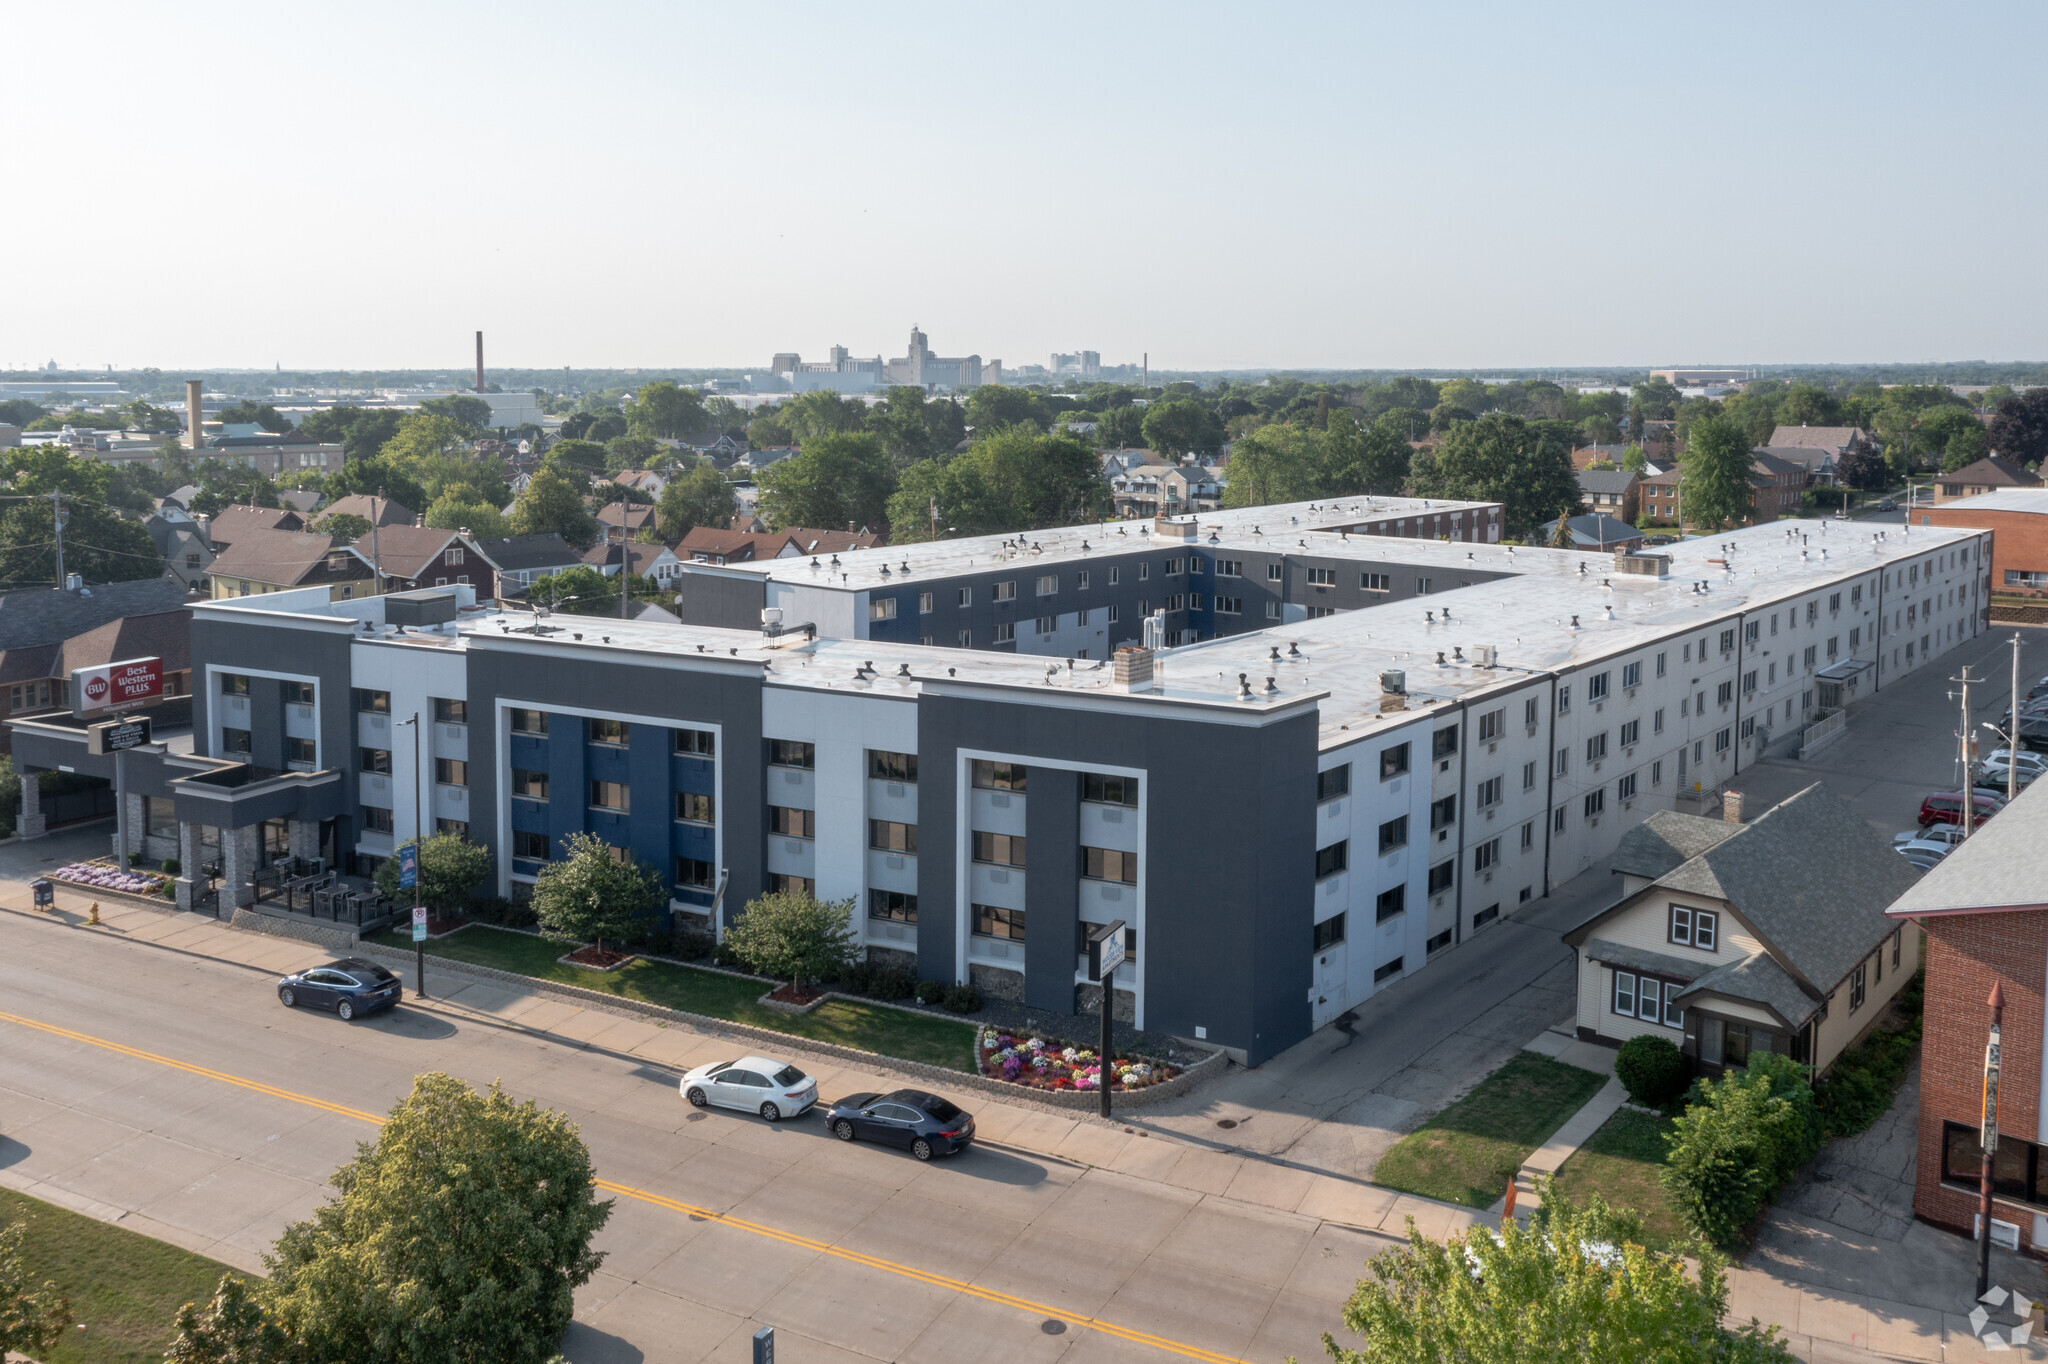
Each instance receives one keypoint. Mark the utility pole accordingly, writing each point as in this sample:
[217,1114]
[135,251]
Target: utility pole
[59,515]
[2012,738]
[1969,755]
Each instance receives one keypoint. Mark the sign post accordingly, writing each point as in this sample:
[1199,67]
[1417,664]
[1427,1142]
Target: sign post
[419,923]
[117,686]
[1105,954]
[1988,1133]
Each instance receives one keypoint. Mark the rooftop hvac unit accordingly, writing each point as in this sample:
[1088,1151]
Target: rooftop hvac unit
[1485,655]
[1394,682]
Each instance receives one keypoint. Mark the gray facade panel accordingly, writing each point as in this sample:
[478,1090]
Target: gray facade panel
[1052,821]
[718,599]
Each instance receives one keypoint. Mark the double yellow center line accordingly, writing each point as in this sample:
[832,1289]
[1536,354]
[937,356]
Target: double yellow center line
[812,1244]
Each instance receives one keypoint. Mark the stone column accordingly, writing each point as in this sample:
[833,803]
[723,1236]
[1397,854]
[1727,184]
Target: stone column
[188,865]
[238,866]
[138,834]
[302,838]
[28,821]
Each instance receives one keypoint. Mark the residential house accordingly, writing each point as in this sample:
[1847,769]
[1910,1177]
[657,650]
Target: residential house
[1189,488]
[1993,473]
[656,563]
[1595,530]
[1835,440]
[186,550]
[710,545]
[1818,462]
[2019,546]
[179,499]
[36,677]
[519,561]
[1612,491]
[1984,912]
[301,500]
[234,522]
[722,451]
[1586,456]
[378,511]
[632,515]
[1771,937]
[642,480]
[758,460]
[1780,486]
[260,561]
[411,557]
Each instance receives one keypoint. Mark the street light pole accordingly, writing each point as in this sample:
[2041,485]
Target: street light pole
[1969,767]
[1989,1140]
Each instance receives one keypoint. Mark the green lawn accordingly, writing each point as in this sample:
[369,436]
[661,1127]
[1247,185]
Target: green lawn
[1621,1163]
[1469,1152]
[870,1027]
[124,1288]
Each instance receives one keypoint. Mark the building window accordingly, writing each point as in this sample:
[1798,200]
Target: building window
[882,608]
[1081,580]
[1329,933]
[1381,974]
[1596,687]
[1005,592]
[529,722]
[458,827]
[1107,864]
[1564,700]
[964,597]
[694,807]
[695,743]
[1392,901]
[1393,761]
[924,603]
[792,753]
[1099,789]
[896,767]
[1443,813]
[1002,850]
[1394,834]
[615,796]
[1856,987]
[612,732]
[888,835]
[451,772]
[1594,803]
[531,847]
[781,883]
[1048,584]
[236,684]
[1486,855]
[1445,743]
[1322,577]
[376,760]
[1442,876]
[892,906]
[1625,789]
[998,776]
[1596,747]
[1721,740]
[1006,632]
[1376,582]
[376,819]
[1333,859]
[373,702]
[450,712]
[531,785]
[993,922]
[1631,732]
[298,753]
[1489,792]
[1699,928]
[694,873]
[1632,675]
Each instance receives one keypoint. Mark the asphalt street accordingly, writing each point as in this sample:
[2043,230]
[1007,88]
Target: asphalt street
[174,1094]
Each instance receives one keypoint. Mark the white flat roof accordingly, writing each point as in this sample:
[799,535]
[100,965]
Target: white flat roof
[2005,499]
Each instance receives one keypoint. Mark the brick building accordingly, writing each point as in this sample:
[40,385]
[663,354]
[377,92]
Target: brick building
[1984,910]
[2019,546]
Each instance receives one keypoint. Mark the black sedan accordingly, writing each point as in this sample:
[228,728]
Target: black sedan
[925,1124]
[350,986]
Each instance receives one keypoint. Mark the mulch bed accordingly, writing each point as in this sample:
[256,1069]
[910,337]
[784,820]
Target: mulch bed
[597,958]
[797,995]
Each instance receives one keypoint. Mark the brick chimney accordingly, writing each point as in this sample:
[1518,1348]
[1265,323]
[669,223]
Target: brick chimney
[1131,670]
[1731,806]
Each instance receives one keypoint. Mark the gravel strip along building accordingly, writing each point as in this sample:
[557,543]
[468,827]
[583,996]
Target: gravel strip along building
[1332,752]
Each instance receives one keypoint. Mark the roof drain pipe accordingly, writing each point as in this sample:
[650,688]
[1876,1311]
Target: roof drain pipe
[772,627]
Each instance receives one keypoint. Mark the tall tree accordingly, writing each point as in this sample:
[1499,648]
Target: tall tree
[378,475]
[1525,466]
[1181,428]
[834,481]
[820,413]
[993,406]
[361,431]
[700,497]
[471,415]
[551,504]
[1359,459]
[795,935]
[257,414]
[1714,485]
[424,434]
[1013,480]
[450,869]
[663,409]
[1276,463]
[2019,430]
[1862,466]
[1121,428]
[99,544]
[461,1234]
[590,896]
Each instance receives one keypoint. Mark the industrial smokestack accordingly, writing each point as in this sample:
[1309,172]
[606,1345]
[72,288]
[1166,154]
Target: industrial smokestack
[479,362]
[192,435]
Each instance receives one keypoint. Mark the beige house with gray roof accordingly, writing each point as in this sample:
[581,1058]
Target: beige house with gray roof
[1733,938]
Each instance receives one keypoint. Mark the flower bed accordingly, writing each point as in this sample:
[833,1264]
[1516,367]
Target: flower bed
[95,876]
[1048,1063]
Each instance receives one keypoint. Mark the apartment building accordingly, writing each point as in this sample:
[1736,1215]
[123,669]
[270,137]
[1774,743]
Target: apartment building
[1469,725]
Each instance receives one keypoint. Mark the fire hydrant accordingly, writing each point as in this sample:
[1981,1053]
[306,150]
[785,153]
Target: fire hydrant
[93,915]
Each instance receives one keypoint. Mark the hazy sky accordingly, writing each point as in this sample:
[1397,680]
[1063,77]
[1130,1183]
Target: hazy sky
[1342,185]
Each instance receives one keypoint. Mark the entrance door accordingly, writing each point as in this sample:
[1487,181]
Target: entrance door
[1333,992]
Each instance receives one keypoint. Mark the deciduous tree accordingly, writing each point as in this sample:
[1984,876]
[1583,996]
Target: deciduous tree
[1182,427]
[834,481]
[548,504]
[99,544]
[451,867]
[460,1235]
[700,497]
[592,895]
[796,936]
[33,1316]
[1714,485]
[235,1328]
[2019,431]
[663,409]
[1525,466]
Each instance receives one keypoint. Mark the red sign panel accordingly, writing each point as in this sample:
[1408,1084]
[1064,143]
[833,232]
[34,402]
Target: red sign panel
[117,685]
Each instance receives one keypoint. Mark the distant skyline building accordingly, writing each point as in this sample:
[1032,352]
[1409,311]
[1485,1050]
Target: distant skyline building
[845,373]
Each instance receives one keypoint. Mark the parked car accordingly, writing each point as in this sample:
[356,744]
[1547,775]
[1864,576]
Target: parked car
[1888,505]
[1924,852]
[752,1084]
[1946,807]
[924,1124]
[2024,768]
[350,986]
[1919,857]
[1948,835]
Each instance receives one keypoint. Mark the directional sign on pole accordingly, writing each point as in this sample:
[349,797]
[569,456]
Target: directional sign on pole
[408,866]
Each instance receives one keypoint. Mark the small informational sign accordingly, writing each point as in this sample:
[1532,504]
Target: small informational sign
[1106,950]
[764,1345]
[115,686]
[45,893]
[408,867]
[419,930]
[116,736]
[419,916]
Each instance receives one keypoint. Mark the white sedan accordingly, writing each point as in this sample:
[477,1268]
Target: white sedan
[1944,836]
[752,1084]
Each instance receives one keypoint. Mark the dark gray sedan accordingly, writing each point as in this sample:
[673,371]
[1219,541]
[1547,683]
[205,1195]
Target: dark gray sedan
[350,986]
[923,1124]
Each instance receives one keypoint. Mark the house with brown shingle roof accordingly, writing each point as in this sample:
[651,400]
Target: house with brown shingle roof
[410,557]
[263,561]
[378,511]
[632,515]
[230,523]
[1993,473]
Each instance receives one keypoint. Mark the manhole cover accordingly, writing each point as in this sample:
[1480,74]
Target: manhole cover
[696,1117]
[1226,1122]
[1053,1326]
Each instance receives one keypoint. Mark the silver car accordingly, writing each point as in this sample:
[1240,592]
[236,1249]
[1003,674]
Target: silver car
[752,1084]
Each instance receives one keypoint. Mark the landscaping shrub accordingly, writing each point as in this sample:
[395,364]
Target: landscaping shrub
[693,943]
[657,942]
[135,859]
[727,954]
[1740,1138]
[496,909]
[855,977]
[930,992]
[170,866]
[891,983]
[1651,1069]
[962,999]
[1858,1089]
